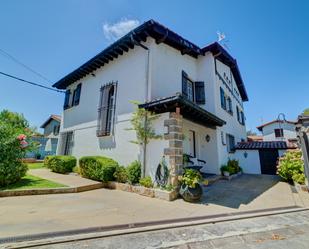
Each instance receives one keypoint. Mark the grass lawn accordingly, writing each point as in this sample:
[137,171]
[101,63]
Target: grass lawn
[30,182]
[35,165]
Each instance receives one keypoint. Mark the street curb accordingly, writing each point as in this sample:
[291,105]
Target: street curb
[107,231]
[48,191]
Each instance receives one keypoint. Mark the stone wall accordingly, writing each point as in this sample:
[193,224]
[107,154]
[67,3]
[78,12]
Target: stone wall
[175,149]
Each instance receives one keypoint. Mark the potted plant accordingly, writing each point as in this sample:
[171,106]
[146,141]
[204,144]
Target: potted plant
[191,189]
[225,170]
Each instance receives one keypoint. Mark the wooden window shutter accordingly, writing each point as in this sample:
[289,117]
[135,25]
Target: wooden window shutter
[238,117]
[66,99]
[77,94]
[199,92]
[184,84]
[223,99]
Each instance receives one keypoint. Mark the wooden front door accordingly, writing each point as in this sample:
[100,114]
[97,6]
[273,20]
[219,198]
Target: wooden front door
[268,161]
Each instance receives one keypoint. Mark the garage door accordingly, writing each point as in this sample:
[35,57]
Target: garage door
[268,159]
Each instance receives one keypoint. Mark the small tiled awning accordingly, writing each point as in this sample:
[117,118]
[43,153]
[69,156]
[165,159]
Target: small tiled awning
[188,110]
[264,145]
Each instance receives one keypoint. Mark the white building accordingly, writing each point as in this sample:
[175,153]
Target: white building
[278,130]
[165,73]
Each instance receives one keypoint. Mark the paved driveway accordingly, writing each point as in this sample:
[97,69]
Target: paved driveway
[49,213]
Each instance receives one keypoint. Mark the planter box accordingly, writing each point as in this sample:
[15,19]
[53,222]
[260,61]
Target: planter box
[231,176]
[150,192]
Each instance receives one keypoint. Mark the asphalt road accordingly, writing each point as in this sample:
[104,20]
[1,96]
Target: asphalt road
[282,231]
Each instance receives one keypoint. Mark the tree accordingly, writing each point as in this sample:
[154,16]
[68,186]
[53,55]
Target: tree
[142,124]
[306,112]
[14,143]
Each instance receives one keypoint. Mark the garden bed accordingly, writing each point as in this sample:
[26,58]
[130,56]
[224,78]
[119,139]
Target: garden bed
[150,192]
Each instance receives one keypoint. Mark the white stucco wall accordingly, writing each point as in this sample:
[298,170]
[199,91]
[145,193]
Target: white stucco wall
[129,70]
[232,126]
[249,164]
[288,131]
[155,148]
[204,150]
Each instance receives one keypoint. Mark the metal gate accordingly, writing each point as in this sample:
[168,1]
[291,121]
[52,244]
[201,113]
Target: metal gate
[268,161]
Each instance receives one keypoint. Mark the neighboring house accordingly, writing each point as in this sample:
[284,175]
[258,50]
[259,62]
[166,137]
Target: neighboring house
[278,130]
[52,126]
[260,154]
[197,92]
[49,140]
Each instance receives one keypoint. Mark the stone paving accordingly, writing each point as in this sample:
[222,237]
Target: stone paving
[284,231]
[28,215]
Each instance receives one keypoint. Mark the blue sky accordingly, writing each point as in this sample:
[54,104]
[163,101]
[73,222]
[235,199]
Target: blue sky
[269,39]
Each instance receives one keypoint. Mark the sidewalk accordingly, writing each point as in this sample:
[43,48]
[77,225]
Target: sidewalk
[68,180]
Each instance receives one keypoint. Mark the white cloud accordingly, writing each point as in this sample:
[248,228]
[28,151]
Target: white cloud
[113,31]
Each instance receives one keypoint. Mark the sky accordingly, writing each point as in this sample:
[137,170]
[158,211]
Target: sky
[269,39]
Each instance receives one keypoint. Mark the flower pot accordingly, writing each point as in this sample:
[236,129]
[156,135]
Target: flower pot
[226,173]
[191,194]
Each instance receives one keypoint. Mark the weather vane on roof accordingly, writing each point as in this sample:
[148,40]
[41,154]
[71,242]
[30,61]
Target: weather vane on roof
[222,40]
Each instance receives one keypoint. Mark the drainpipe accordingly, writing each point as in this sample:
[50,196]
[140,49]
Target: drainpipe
[147,96]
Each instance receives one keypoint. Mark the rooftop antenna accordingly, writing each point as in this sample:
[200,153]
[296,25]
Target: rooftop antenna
[222,40]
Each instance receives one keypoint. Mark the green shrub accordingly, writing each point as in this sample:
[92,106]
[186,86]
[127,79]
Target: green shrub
[46,160]
[146,182]
[14,144]
[97,168]
[233,166]
[134,172]
[224,168]
[61,164]
[291,167]
[121,174]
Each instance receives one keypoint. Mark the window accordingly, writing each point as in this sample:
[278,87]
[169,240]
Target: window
[76,95]
[230,142]
[229,105]
[238,113]
[56,130]
[223,98]
[106,110]
[67,143]
[193,91]
[66,104]
[242,116]
[279,132]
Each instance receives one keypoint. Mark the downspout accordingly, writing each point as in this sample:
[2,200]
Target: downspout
[147,97]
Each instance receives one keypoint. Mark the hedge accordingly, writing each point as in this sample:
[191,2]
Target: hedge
[98,168]
[60,164]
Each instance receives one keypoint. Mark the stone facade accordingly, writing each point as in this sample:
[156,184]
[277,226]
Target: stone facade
[175,149]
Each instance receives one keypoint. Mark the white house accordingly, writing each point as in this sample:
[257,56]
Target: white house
[198,94]
[261,156]
[278,130]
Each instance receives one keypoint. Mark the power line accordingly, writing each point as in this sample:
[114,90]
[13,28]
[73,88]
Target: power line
[23,65]
[31,83]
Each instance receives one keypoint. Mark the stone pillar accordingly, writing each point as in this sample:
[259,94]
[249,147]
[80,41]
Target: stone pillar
[175,149]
